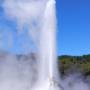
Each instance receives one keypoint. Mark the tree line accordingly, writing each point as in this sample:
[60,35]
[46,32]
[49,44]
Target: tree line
[74,64]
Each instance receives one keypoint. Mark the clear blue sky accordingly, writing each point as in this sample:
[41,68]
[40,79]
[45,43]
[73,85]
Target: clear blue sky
[73,30]
[73,27]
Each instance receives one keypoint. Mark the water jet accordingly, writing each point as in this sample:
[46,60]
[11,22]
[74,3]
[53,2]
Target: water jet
[26,73]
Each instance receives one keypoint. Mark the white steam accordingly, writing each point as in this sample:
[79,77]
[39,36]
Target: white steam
[15,71]
[40,18]
[24,11]
[75,82]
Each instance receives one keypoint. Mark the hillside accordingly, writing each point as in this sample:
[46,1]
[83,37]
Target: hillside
[74,64]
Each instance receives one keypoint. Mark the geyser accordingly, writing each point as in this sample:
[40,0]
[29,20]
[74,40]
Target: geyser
[22,72]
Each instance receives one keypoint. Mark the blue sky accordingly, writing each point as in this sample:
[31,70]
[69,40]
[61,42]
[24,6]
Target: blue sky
[73,29]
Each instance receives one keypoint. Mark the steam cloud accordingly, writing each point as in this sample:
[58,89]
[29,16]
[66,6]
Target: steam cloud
[24,11]
[75,82]
[17,69]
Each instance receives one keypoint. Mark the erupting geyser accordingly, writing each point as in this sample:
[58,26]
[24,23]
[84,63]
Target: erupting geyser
[23,72]
[48,63]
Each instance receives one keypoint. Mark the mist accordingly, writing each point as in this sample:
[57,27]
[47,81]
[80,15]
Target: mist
[20,72]
[25,12]
[17,72]
[75,81]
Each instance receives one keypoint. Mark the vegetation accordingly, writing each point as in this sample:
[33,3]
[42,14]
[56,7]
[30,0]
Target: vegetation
[74,64]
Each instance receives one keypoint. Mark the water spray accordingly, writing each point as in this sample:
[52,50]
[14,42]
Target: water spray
[44,12]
